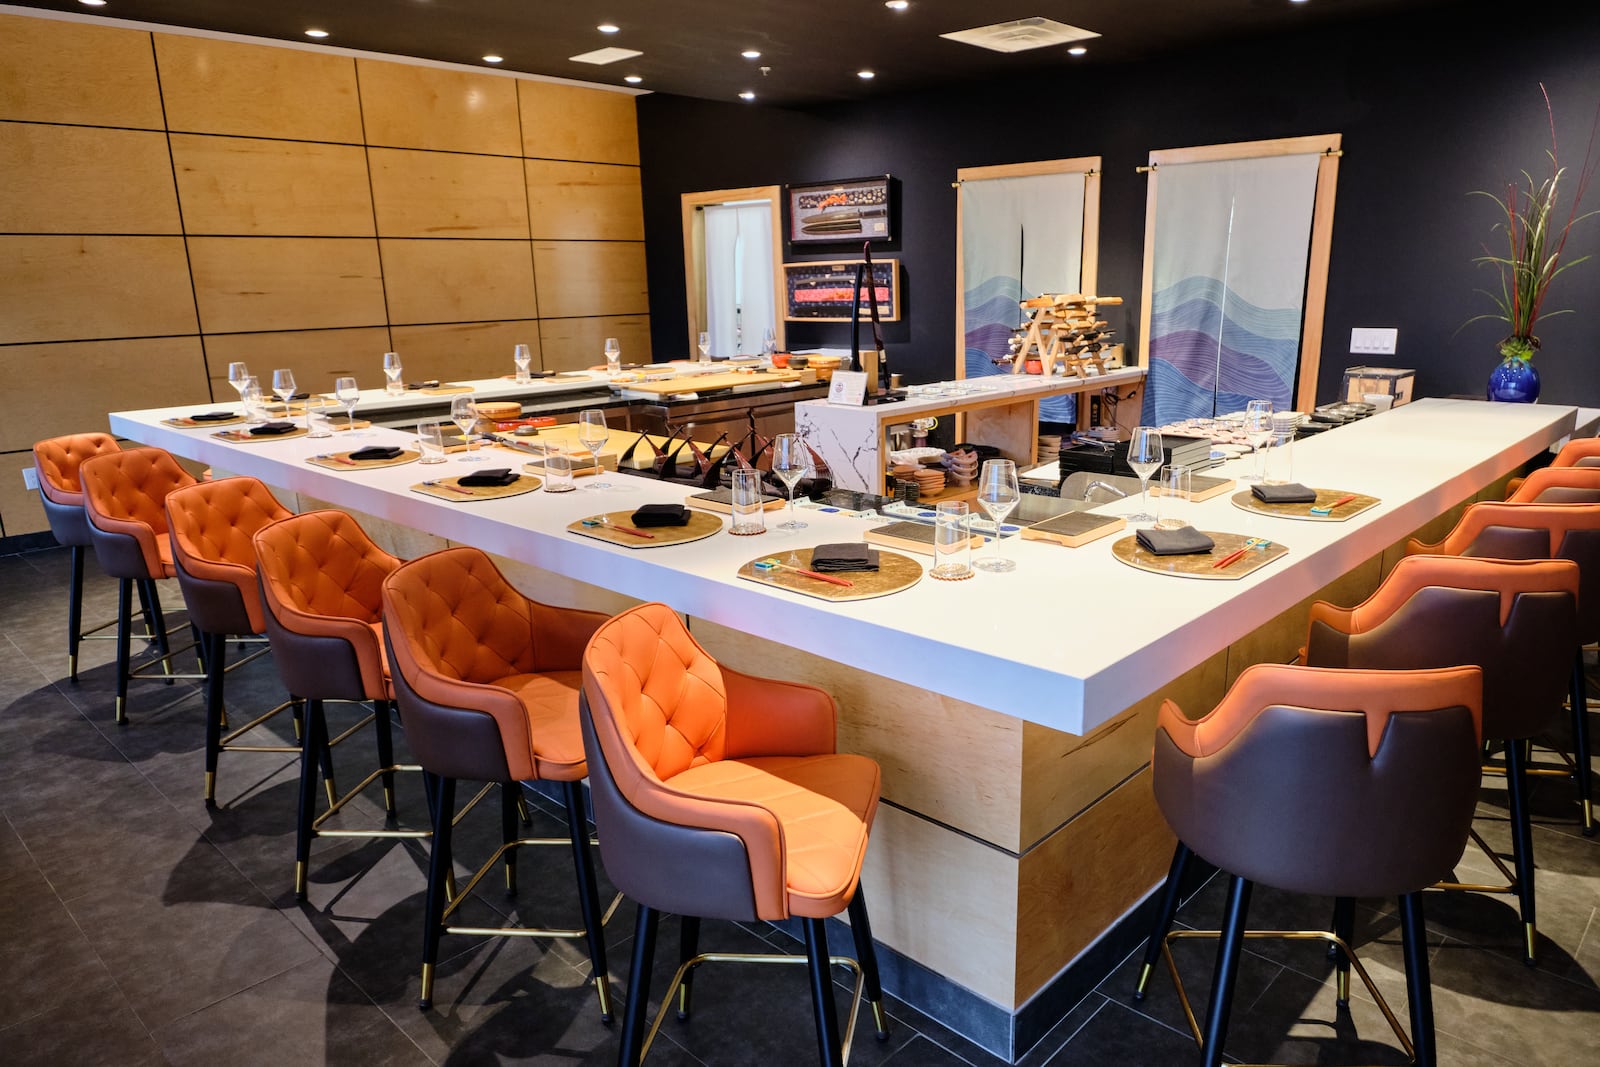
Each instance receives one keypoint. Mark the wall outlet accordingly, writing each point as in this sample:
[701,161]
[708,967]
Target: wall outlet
[1373,341]
[30,477]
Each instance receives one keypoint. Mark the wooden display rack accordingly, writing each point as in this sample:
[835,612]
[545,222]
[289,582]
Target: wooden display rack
[1063,328]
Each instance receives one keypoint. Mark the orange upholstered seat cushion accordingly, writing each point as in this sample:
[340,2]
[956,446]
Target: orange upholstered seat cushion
[552,739]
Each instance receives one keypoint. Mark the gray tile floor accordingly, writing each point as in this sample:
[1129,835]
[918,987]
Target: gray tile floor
[142,928]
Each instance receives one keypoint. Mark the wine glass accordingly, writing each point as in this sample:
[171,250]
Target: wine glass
[998,495]
[593,432]
[789,462]
[1144,456]
[283,385]
[464,413]
[1258,431]
[392,370]
[613,355]
[705,345]
[347,393]
[238,377]
[522,356]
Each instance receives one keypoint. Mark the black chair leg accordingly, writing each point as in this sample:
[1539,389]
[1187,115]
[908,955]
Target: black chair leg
[381,719]
[1344,925]
[509,831]
[867,960]
[444,814]
[1229,949]
[1419,987]
[1580,745]
[124,625]
[313,748]
[589,896]
[688,948]
[216,660]
[636,1010]
[75,613]
[157,620]
[822,1007]
[1522,842]
[1169,909]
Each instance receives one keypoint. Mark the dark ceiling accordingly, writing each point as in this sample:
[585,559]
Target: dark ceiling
[812,51]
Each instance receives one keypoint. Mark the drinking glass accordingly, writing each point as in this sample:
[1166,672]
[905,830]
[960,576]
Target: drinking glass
[952,541]
[594,433]
[348,394]
[238,374]
[749,511]
[522,356]
[1177,486]
[1144,456]
[317,418]
[705,345]
[283,385]
[464,413]
[1258,432]
[789,461]
[1280,457]
[250,394]
[558,470]
[998,495]
[613,355]
[769,342]
[392,370]
[430,440]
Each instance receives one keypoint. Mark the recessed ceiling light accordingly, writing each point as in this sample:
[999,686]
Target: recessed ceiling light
[633,79]
[93,3]
[609,27]
[747,95]
[896,5]
[750,53]
[318,34]
[494,59]
[1077,50]
[866,75]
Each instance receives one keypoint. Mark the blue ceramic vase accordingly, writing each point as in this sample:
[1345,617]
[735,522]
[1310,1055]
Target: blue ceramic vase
[1514,381]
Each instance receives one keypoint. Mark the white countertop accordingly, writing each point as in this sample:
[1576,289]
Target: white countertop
[1068,639]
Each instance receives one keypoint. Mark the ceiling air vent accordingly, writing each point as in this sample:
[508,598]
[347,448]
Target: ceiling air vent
[1021,35]
[601,56]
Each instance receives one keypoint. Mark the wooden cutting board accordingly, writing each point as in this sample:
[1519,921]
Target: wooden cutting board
[700,383]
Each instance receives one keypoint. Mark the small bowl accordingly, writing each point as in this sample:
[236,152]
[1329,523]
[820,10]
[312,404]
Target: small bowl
[780,360]
[797,362]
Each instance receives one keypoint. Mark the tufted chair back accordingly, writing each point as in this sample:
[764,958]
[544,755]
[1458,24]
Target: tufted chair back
[1247,786]
[212,525]
[322,583]
[124,498]
[56,460]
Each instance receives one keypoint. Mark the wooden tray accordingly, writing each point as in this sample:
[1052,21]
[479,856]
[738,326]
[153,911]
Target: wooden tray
[720,500]
[700,525]
[894,574]
[244,437]
[1074,528]
[183,422]
[341,461]
[704,383]
[1127,550]
[441,489]
[911,536]
[445,390]
[1244,501]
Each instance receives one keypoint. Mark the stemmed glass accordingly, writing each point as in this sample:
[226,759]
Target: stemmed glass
[613,355]
[593,432]
[392,370]
[464,413]
[1258,431]
[705,345]
[998,495]
[238,377]
[283,385]
[1144,456]
[347,393]
[789,462]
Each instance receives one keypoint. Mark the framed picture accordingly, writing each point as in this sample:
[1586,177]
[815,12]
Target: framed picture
[821,292]
[856,209]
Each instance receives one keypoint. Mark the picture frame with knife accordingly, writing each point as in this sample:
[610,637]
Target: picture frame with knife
[854,209]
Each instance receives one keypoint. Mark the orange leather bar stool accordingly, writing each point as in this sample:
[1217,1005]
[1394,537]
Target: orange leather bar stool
[721,795]
[124,498]
[56,461]
[1578,452]
[488,682]
[1515,619]
[1544,531]
[1249,786]
[211,525]
[322,584]
[1559,485]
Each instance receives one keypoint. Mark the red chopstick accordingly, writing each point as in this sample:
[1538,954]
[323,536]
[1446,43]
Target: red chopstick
[819,576]
[631,530]
[1343,500]
[1229,558]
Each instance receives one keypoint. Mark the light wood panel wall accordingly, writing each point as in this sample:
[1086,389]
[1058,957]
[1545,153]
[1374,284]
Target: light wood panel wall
[174,203]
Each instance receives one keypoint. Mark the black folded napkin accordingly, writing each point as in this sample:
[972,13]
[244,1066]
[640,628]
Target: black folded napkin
[490,476]
[661,515]
[212,416]
[431,383]
[272,429]
[1287,493]
[844,556]
[377,452]
[1184,541]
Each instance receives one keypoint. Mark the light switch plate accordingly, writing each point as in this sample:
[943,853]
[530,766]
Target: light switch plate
[1373,340]
[30,477]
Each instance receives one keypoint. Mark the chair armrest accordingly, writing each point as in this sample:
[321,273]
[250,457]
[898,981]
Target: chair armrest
[560,635]
[769,717]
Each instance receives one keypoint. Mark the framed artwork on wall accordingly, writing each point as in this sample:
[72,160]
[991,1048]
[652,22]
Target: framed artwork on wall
[856,209]
[821,292]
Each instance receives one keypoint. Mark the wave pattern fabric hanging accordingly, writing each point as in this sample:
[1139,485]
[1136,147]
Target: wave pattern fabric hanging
[1227,297]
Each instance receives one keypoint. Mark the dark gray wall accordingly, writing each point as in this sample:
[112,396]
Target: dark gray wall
[1425,119]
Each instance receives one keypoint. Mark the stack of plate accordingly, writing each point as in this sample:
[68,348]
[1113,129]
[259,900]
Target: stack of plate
[961,466]
[1049,448]
[929,480]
